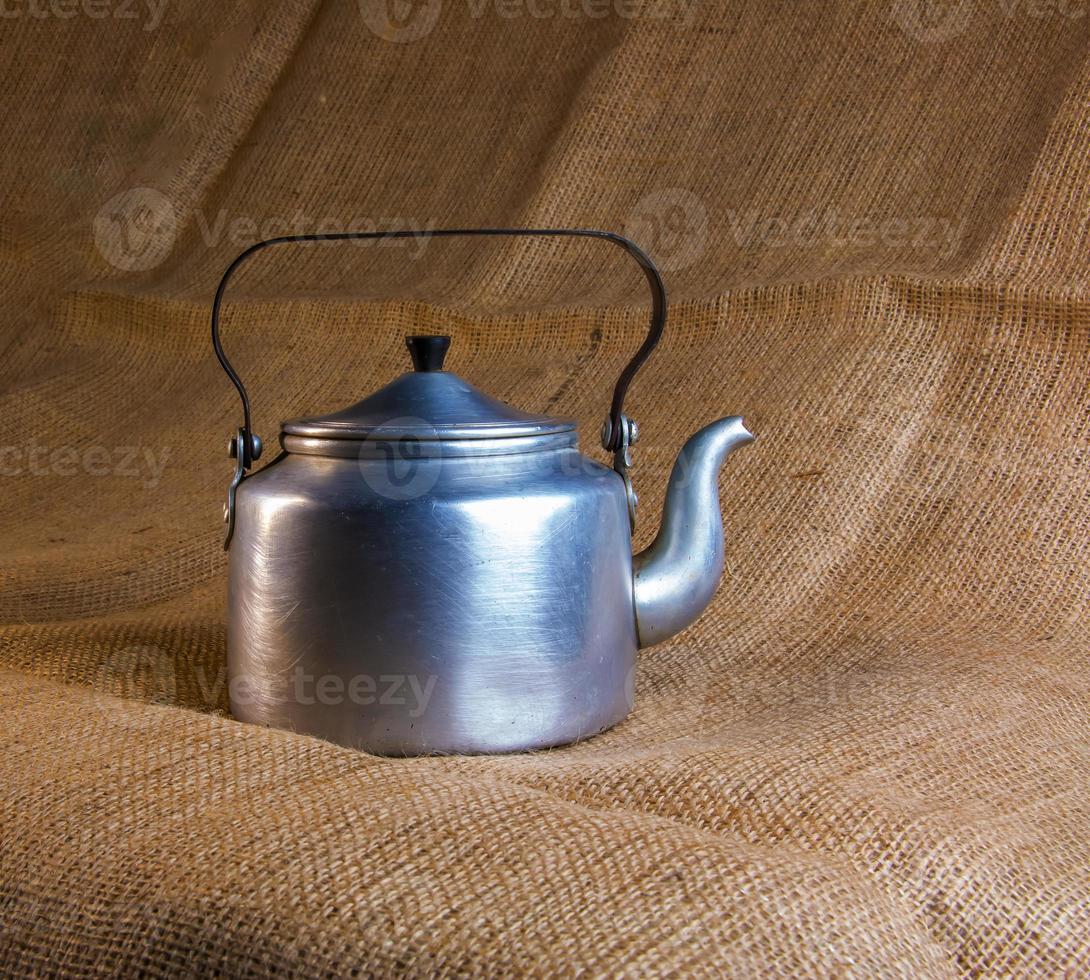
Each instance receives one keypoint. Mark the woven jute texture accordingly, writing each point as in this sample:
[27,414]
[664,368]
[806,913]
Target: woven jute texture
[869,758]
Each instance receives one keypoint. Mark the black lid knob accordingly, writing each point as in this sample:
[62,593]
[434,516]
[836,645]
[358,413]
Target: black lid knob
[427,352]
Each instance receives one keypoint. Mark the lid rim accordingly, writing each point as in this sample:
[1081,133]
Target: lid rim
[360,449]
[466,432]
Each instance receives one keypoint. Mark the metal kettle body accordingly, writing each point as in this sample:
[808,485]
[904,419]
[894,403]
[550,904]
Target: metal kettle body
[491,613]
[433,571]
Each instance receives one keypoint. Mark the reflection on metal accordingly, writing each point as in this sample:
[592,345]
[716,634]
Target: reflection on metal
[677,576]
[505,589]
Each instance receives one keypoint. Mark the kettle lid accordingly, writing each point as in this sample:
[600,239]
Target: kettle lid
[427,404]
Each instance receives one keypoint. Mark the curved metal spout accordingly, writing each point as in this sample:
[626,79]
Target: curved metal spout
[676,577]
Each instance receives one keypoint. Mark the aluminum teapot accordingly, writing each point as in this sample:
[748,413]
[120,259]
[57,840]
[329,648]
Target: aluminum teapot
[433,571]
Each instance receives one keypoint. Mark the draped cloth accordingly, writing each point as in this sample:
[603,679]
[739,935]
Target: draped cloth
[869,757]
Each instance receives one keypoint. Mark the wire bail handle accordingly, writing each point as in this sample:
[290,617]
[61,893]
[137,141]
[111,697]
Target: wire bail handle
[619,433]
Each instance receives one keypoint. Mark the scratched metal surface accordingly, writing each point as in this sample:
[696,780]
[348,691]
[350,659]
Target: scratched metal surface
[488,609]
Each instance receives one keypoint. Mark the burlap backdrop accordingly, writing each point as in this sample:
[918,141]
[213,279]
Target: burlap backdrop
[869,756]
